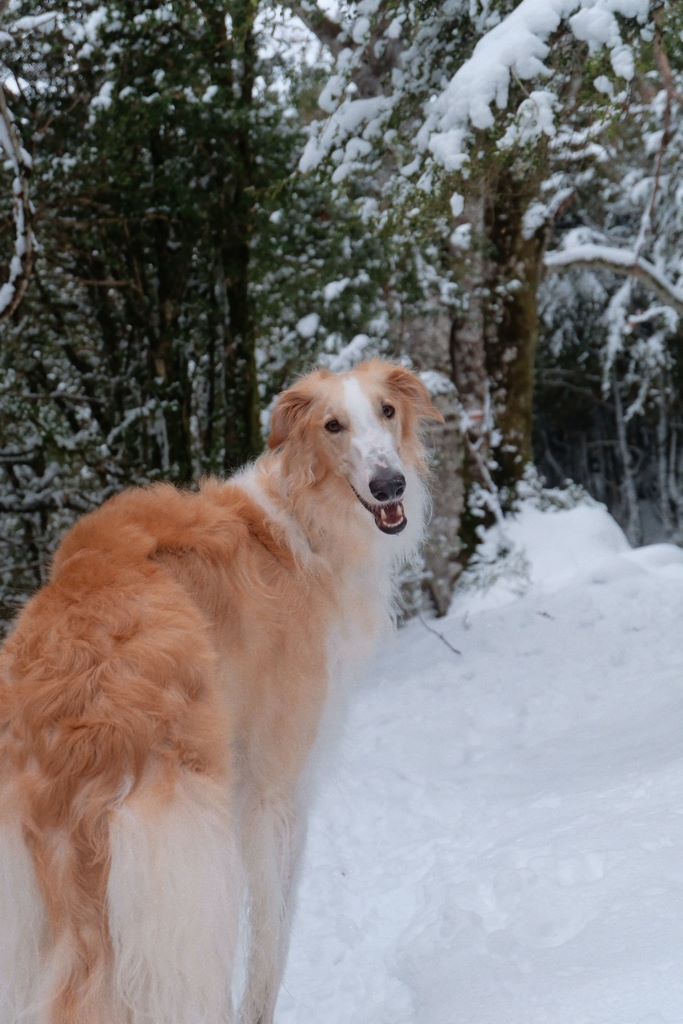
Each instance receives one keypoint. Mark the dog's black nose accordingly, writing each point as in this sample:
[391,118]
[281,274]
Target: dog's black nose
[388,488]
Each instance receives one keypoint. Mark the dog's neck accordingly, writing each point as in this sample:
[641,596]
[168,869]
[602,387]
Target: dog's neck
[324,524]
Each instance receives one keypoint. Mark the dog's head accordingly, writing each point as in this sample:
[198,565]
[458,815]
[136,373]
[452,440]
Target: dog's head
[361,428]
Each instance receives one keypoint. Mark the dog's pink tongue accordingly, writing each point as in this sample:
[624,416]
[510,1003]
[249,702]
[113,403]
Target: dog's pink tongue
[392,515]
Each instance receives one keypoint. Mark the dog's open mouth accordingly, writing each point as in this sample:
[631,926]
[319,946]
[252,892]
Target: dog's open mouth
[389,517]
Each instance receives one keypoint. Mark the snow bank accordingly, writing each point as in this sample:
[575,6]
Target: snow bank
[563,544]
[501,841]
[543,550]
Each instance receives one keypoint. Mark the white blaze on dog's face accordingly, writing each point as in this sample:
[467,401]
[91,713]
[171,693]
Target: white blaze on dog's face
[375,469]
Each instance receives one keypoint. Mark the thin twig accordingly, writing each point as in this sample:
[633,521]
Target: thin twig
[436,632]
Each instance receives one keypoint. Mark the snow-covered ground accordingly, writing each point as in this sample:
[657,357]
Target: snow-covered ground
[502,839]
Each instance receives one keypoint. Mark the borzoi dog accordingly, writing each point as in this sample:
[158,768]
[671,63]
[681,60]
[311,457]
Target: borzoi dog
[161,702]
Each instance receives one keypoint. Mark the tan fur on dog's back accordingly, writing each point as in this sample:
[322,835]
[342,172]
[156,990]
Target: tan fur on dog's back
[111,666]
[162,692]
[114,676]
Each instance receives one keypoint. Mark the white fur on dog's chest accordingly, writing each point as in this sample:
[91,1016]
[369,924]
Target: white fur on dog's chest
[364,618]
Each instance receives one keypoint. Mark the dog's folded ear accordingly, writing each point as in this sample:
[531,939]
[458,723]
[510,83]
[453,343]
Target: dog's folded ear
[408,386]
[290,409]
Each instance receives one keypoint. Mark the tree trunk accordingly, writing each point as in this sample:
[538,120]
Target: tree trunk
[442,552]
[236,70]
[467,336]
[634,529]
[514,270]
[427,341]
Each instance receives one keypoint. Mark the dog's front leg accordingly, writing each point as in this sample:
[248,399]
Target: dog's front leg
[273,835]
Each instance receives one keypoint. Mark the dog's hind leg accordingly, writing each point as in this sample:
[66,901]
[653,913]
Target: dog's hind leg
[55,958]
[173,903]
[273,832]
[23,924]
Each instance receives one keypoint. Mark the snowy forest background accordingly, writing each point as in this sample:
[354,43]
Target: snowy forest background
[201,199]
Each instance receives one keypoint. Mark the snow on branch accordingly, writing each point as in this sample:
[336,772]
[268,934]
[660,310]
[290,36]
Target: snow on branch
[620,261]
[517,48]
[21,262]
[351,117]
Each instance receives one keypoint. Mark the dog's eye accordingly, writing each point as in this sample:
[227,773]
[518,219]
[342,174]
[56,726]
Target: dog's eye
[388,411]
[333,426]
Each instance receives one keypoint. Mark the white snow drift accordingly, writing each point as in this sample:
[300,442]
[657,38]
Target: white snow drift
[501,843]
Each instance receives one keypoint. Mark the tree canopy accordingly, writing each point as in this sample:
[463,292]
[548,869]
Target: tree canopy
[204,198]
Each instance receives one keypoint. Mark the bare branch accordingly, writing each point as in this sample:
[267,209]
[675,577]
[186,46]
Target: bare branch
[373,64]
[327,31]
[619,261]
[663,62]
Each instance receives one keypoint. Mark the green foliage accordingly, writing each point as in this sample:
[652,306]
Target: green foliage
[161,139]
